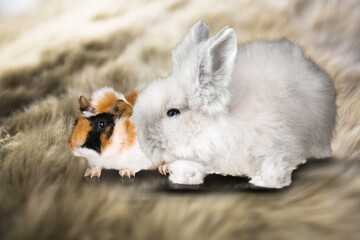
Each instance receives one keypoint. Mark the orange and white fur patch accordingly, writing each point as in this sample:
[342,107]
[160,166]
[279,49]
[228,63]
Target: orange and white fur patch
[105,134]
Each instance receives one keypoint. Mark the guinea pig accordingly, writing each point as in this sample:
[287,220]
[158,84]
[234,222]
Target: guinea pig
[105,134]
[259,110]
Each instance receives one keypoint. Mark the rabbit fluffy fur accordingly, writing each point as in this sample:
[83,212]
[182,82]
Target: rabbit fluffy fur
[259,110]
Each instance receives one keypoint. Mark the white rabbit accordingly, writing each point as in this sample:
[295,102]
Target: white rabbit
[260,110]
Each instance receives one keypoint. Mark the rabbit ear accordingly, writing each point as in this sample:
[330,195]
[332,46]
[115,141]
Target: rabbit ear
[198,32]
[215,72]
[221,54]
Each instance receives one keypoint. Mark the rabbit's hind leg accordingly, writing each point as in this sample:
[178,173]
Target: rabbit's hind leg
[274,172]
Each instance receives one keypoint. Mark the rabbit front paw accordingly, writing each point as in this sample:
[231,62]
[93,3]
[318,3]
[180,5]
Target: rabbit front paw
[186,172]
[163,169]
[189,178]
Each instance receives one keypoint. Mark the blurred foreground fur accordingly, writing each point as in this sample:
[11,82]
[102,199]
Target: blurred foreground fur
[49,58]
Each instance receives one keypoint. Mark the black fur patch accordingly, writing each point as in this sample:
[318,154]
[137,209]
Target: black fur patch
[93,138]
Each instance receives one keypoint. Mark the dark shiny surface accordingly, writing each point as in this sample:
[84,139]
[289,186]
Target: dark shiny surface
[152,180]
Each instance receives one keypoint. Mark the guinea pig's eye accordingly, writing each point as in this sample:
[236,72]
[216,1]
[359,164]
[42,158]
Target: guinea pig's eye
[101,124]
[172,112]
[75,122]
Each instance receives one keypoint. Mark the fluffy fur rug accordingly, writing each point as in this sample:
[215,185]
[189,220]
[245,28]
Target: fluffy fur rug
[62,49]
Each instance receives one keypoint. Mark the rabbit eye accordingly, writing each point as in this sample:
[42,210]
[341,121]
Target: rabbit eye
[101,124]
[172,112]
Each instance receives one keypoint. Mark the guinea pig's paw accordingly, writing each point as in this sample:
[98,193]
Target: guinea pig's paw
[93,172]
[127,173]
[164,169]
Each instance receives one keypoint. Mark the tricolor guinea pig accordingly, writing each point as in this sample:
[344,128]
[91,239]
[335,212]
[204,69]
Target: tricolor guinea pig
[105,134]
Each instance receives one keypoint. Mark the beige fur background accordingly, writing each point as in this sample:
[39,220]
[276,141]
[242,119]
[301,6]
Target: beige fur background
[58,50]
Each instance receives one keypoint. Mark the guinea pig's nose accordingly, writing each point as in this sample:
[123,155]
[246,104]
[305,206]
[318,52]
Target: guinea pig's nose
[73,145]
[79,134]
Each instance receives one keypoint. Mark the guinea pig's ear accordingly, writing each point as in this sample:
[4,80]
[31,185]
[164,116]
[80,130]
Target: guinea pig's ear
[215,73]
[85,106]
[131,97]
[198,32]
[84,103]
[121,109]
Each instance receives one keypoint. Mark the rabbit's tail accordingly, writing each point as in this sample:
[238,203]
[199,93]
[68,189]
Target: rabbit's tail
[321,152]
